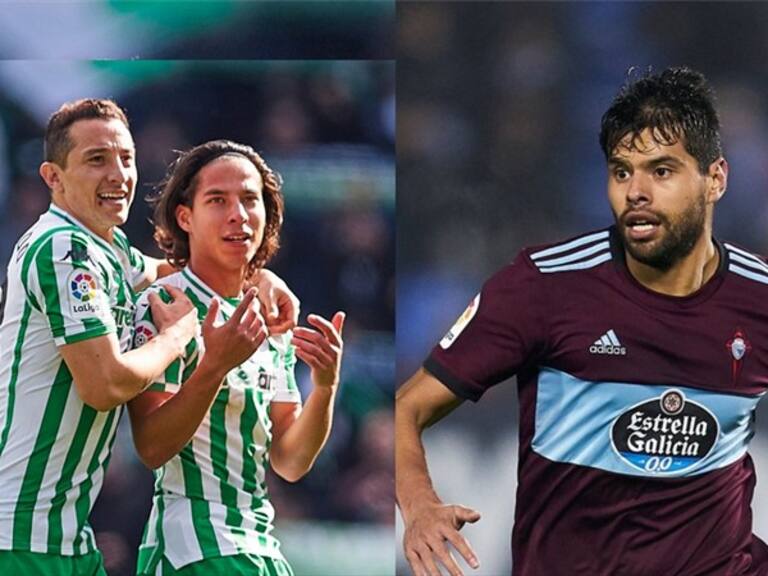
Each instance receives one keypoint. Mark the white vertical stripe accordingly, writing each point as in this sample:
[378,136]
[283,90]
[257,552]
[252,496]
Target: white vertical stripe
[605,340]
[612,335]
[181,545]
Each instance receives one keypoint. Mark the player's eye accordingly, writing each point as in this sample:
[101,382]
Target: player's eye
[620,174]
[96,159]
[662,171]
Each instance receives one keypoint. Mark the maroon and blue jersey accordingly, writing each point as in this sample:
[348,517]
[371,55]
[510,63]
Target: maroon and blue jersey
[636,408]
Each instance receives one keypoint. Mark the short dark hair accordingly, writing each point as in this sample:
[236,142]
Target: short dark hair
[676,105]
[57,140]
[178,188]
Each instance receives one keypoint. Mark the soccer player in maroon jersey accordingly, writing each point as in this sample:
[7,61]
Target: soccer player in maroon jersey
[639,363]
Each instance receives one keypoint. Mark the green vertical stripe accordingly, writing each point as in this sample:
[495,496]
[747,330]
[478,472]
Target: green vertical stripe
[149,558]
[83,503]
[46,277]
[289,365]
[248,420]
[219,457]
[202,309]
[33,477]
[201,512]
[74,456]
[15,374]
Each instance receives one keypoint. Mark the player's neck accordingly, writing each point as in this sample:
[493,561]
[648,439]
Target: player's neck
[226,283]
[684,277]
[104,233]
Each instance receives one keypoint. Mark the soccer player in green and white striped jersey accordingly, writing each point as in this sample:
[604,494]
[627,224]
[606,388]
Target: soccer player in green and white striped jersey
[229,407]
[66,362]
[65,359]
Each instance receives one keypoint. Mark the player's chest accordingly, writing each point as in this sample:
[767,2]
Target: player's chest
[253,383]
[716,347]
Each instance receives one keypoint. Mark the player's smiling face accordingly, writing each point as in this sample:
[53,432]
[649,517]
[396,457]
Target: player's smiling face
[227,218]
[98,183]
[661,201]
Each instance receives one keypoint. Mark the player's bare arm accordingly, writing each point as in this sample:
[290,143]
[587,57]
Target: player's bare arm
[299,434]
[105,377]
[279,305]
[164,422]
[431,527]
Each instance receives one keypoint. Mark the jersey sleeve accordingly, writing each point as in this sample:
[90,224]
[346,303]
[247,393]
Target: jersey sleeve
[63,281]
[502,329]
[144,330]
[286,389]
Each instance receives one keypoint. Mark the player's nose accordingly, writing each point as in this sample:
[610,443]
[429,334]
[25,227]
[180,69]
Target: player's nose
[639,189]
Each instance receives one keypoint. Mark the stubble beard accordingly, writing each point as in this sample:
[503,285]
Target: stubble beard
[676,242]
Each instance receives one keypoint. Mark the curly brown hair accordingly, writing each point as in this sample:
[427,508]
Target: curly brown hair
[179,186]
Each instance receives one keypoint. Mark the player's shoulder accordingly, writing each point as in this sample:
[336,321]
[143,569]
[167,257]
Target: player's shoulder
[746,264]
[583,252]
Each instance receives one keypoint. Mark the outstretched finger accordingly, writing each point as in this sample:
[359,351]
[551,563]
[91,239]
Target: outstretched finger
[210,317]
[244,305]
[309,359]
[463,547]
[417,567]
[338,322]
[446,558]
[328,330]
[323,355]
[425,553]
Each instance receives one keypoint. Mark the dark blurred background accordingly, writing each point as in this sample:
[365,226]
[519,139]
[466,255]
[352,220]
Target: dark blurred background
[328,126]
[499,107]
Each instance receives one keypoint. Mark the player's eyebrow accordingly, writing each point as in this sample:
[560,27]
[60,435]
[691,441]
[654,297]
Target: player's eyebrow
[651,163]
[106,149]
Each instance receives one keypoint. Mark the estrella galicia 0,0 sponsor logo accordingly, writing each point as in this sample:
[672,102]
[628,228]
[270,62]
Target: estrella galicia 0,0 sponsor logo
[665,435]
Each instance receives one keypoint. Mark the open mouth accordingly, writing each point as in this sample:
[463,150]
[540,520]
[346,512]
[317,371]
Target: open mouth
[239,238]
[113,196]
[641,225]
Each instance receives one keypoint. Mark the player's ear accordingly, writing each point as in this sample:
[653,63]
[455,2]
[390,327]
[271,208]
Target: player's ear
[718,180]
[51,175]
[183,214]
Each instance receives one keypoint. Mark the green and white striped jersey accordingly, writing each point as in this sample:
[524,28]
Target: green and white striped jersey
[211,499]
[65,285]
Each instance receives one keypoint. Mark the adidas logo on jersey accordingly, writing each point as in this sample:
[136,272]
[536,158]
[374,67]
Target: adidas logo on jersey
[608,344]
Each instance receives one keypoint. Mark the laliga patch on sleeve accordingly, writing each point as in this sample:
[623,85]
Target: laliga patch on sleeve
[85,295]
[461,323]
[143,333]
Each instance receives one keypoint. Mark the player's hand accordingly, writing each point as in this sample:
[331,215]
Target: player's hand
[321,349]
[430,531]
[238,338]
[178,314]
[279,306]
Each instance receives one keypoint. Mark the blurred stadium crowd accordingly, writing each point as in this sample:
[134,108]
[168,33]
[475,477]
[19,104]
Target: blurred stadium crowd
[499,107]
[328,128]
